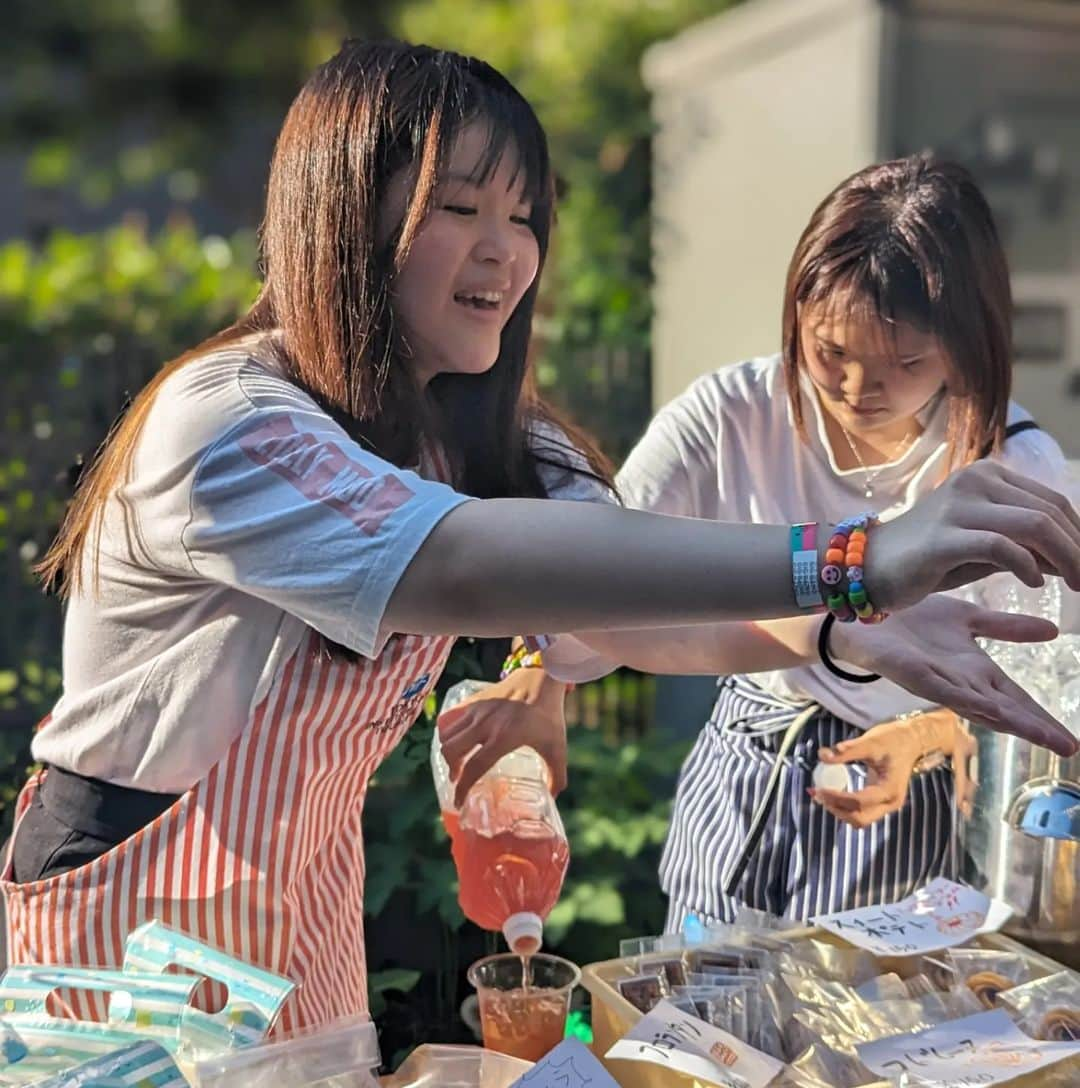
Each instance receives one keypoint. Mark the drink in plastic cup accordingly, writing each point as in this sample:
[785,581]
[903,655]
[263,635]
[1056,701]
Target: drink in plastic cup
[523,1014]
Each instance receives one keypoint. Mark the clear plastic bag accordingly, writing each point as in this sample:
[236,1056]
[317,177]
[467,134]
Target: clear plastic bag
[1047,1008]
[809,991]
[987,973]
[818,958]
[883,988]
[632,947]
[920,1013]
[722,1006]
[821,1065]
[646,990]
[444,1066]
[723,975]
[252,996]
[739,1003]
[33,1048]
[727,959]
[342,1054]
[145,1063]
[153,1003]
[671,964]
[834,1028]
[917,985]
[830,1033]
[684,1004]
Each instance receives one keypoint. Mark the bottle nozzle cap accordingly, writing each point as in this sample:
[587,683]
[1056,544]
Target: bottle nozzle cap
[524,932]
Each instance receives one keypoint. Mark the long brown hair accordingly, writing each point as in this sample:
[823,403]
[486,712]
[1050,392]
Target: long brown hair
[914,240]
[374,109]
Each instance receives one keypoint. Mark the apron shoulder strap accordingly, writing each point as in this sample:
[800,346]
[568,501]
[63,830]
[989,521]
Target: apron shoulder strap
[1016,428]
[1021,426]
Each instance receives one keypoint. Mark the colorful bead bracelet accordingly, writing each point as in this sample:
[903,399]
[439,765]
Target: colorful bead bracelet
[845,557]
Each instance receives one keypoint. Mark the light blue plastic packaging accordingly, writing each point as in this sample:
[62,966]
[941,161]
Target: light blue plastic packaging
[37,1047]
[141,1065]
[152,1004]
[255,996]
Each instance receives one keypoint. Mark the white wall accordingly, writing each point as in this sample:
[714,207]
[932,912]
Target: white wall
[760,112]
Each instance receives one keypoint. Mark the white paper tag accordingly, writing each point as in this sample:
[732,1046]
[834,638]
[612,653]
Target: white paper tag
[987,1048]
[940,915]
[674,1039]
[570,1065]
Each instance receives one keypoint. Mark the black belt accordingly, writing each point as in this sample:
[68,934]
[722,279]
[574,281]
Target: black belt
[102,809]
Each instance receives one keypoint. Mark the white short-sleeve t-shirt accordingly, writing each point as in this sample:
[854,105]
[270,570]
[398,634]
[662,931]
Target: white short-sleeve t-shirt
[727,449]
[249,516]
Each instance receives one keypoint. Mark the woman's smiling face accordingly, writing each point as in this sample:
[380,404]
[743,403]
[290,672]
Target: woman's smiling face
[473,258]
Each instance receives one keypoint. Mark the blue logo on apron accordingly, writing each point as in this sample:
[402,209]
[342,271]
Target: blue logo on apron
[416,686]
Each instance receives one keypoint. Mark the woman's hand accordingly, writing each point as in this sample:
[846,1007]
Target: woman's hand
[982,519]
[931,650]
[890,751]
[524,709]
[964,786]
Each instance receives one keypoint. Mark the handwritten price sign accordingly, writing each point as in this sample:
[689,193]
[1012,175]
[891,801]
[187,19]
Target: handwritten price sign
[984,1049]
[938,916]
[676,1040]
[569,1065]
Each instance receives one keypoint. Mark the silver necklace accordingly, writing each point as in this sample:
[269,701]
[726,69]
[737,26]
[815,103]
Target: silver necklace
[869,474]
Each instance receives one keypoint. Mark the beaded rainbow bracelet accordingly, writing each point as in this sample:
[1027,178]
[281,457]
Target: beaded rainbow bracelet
[845,557]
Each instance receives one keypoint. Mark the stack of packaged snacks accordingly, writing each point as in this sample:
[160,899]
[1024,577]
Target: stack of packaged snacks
[813,1003]
[76,1027]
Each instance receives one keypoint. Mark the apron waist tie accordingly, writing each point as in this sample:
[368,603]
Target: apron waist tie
[735,869]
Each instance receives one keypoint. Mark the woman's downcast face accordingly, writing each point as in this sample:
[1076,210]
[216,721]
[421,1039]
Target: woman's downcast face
[871,376]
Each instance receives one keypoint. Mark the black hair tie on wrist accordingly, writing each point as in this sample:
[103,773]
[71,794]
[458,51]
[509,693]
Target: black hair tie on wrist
[823,653]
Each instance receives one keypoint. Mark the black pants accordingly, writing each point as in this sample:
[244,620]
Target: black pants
[72,820]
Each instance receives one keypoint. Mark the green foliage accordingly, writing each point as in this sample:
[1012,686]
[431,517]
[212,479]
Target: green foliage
[207,74]
[393,979]
[114,96]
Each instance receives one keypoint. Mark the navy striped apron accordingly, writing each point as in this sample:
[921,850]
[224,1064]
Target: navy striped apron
[806,862]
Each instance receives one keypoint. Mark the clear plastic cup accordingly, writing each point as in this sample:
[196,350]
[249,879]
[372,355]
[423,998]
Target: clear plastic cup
[521,1014]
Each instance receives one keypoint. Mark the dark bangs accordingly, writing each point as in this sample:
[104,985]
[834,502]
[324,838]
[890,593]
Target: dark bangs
[456,91]
[513,130]
[879,285]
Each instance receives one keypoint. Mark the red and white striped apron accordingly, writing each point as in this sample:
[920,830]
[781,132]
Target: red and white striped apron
[264,857]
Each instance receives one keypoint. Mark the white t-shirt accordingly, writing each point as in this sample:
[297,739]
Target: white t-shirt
[250,515]
[727,450]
